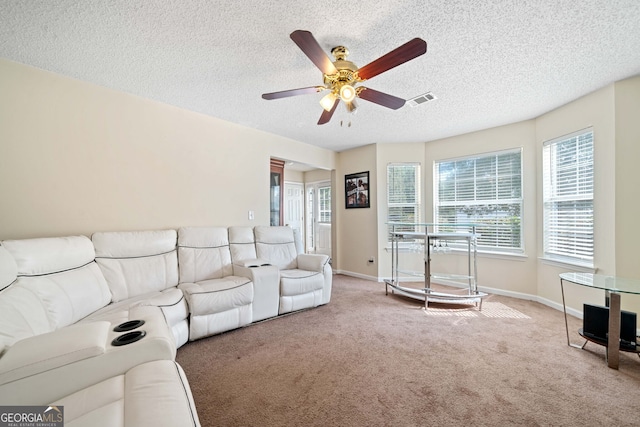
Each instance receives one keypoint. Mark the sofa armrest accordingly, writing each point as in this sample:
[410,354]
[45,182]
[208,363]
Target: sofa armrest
[34,355]
[54,382]
[312,262]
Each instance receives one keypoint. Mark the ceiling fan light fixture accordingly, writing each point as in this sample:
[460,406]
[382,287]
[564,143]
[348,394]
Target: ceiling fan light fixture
[347,93]
[328,100]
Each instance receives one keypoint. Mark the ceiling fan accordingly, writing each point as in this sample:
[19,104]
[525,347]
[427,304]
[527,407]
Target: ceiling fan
[341,76]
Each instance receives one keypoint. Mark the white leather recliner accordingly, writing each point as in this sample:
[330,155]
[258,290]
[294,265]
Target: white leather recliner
[305,279]
[141,267]
[218,300]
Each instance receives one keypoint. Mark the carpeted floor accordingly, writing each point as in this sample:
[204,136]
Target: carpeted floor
[366,359]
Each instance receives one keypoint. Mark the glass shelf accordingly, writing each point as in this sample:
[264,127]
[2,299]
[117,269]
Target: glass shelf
[607,283]
[433,240]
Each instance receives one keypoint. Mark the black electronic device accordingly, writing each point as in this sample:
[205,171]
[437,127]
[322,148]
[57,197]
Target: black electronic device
[596,325]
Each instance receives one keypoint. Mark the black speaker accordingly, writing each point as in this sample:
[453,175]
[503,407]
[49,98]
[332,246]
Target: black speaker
[596,325]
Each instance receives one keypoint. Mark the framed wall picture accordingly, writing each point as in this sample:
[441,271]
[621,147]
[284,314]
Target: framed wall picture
[356,190]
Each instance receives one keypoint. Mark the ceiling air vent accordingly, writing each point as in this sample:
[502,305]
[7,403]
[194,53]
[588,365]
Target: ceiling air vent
[421,99]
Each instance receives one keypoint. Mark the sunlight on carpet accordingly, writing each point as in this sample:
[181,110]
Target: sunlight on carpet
[489,309]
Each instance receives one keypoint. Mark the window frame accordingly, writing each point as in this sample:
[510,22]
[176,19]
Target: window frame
[552,252]
[417,204]
[496,201]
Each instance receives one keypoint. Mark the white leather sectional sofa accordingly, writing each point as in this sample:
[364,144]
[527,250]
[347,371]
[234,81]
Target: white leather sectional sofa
[94,324]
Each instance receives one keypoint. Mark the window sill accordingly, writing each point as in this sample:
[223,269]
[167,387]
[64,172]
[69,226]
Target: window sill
[574,266]
[511,256]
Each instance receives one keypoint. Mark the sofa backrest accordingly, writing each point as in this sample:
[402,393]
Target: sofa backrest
[276,245]
[14,325]
[8,268]
[58,283]
[203,253]
[137,262]
[242,243]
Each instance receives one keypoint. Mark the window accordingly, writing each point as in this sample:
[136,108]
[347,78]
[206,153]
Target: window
[568,198]
[324,204]
[403,194]
[484,190]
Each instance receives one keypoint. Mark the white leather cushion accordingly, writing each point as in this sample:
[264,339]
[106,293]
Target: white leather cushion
[173,305]
[137,262]
[151,394]
[131,244]
[239,234]
[171,301]
[242,244]
[50,255]
[203,237]
[8,268]
[162,382]
[277,245]
[22,315]
[282,234]
[211,324]
[296,282]
[218,295]
[71,295]
[101,405]
[299,302]
[130,277]
[203,253]
[35,355]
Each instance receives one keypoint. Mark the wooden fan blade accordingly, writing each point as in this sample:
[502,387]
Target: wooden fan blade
[308,44]
[326,115]
[398,56]
[381,98]
[293,92]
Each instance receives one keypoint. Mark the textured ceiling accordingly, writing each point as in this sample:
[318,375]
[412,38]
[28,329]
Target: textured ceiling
[489,62]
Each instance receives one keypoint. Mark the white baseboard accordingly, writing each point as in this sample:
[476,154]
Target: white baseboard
[357,275]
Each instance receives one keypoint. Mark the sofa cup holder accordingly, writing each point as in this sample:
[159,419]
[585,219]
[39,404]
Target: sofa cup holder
[128,338]
[128,326]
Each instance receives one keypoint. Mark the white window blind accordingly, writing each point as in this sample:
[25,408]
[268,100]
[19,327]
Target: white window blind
[568,198]
[403,194]
[484,190]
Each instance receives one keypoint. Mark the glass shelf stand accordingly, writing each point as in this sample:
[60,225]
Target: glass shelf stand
[432,240]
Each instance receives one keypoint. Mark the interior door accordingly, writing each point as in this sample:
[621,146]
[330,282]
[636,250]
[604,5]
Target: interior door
[294,209]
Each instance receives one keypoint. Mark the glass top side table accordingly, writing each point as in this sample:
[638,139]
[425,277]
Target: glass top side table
[613,287]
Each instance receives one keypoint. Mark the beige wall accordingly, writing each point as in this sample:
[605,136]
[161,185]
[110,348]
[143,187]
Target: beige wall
[627,158]
[356,229]
[594,110]
[510,274]
[627,189]
[77,158]
[317,175]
